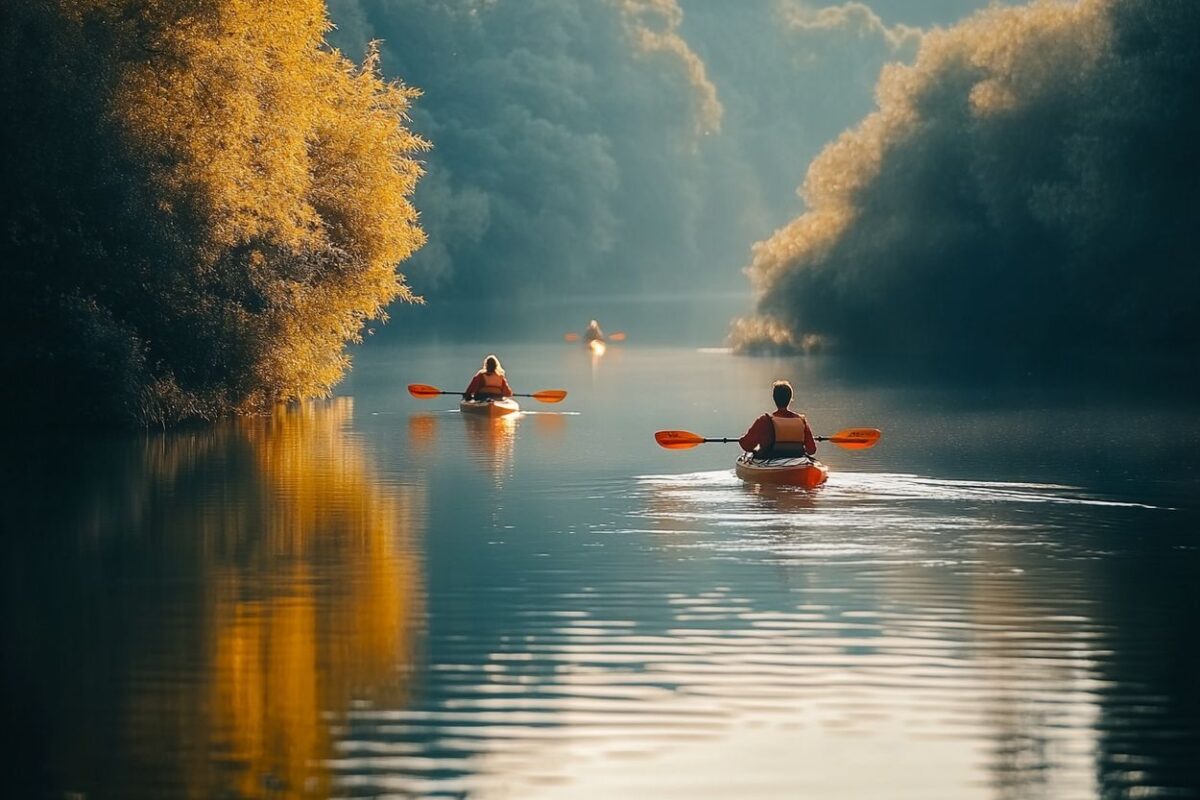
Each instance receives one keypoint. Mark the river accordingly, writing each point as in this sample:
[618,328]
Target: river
[374,596]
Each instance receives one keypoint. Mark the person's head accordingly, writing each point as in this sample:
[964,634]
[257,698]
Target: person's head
[593,324]
[781,392]
[491,365]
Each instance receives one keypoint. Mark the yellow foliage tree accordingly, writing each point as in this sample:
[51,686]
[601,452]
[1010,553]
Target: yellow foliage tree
[236,204]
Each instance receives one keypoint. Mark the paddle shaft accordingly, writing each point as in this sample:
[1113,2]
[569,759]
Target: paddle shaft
[425,391]
[727,440]
[849,439]
[514,394]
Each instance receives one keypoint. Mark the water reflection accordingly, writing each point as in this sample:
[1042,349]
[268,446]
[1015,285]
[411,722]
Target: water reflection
[951,610]
[423,432]
[229,594]
[595,351]
[999,628]
[782,498]
[550,425]
[491,443]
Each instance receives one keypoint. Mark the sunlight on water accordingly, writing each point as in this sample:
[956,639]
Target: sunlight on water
[382,597]
[856,493]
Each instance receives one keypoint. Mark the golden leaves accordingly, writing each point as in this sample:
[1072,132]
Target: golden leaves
[286,170]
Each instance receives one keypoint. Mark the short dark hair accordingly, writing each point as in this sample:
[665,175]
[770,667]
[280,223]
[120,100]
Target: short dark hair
[781,391]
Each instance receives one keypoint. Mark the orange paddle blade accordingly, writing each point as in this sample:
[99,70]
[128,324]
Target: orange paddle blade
[677,440]
[550,395]
[856,438]
[423,391]
[619,336]
[571,337]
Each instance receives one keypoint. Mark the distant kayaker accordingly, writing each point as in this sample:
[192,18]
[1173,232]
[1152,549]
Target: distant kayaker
[593,333]
[489,381]
[781,434]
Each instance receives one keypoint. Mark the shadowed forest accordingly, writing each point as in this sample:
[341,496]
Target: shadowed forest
[206,202]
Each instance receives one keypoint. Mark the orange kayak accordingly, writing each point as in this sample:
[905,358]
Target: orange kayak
[804,472]
[497,407]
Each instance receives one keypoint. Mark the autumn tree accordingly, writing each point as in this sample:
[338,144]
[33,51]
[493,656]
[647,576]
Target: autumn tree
[203,204]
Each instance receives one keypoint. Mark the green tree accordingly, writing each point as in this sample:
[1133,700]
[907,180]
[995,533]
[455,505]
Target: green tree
[205,204]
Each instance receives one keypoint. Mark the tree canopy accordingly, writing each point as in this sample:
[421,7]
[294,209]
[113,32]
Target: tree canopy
[205,203]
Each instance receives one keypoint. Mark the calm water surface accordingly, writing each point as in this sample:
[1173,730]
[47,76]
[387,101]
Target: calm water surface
[375,596]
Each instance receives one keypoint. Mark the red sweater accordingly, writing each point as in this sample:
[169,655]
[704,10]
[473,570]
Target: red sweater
[762,434]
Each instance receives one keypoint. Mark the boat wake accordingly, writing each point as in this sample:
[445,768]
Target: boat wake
[895,517]
[879,487]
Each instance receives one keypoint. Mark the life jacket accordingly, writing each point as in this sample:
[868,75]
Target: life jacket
[492,384]
[789,436]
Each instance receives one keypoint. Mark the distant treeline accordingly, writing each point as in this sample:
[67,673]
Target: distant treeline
[615,146]
[202,204]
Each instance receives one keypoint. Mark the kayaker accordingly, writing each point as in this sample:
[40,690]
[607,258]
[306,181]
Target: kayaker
[489,381]
[781,434]
[593,333]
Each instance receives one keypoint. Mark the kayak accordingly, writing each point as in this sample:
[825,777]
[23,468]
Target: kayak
[802,471]
[596,346]
[497,407]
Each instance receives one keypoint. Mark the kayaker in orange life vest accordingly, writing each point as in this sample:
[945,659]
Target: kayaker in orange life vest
[781,434]
[489,381]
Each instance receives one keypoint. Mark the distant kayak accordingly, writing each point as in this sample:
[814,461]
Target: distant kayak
[497,407]
[804,471]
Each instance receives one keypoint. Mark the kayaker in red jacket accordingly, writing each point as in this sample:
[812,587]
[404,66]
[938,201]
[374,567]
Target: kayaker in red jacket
[781,434]
[489,381]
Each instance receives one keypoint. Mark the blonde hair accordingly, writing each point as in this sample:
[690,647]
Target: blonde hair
[495,362]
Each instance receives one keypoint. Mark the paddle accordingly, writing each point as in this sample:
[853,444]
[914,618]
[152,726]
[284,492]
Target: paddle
[850,439]
[425,392]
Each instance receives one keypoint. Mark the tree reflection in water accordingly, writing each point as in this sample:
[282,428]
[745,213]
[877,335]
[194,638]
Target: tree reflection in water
[233,591]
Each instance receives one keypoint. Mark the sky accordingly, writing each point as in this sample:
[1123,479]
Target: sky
[884,174]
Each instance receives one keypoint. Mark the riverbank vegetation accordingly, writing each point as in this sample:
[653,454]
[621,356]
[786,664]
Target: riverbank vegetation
[1027,185]
[204,204]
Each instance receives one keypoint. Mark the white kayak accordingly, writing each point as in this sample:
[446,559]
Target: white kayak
[490,407]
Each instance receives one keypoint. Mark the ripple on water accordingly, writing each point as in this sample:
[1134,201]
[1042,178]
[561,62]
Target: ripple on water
[867,515]
[585,683]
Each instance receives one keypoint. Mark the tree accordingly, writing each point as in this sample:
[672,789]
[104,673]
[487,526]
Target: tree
[206,204]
